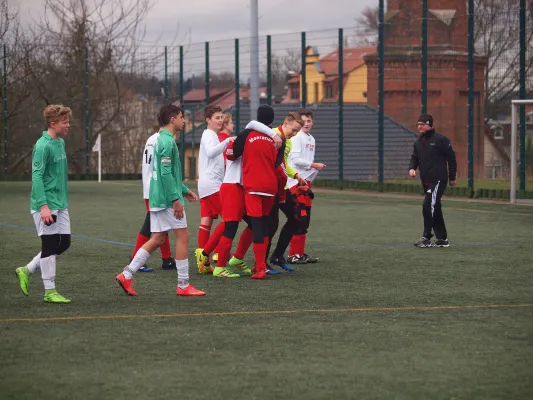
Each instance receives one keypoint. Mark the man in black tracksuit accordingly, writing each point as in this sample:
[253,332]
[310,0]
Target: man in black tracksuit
[433,155]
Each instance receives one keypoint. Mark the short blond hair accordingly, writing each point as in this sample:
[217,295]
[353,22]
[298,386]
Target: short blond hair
[294,116]
[55,112]
[227,118]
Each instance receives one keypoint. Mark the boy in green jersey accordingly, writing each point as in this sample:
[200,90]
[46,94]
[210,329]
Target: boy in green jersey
[167,192]
[49,201]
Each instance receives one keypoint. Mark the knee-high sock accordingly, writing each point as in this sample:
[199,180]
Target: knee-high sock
[203,235]
[48,272]
[138,261]
[214,239]
[245,241]
[34,264]
[165,249]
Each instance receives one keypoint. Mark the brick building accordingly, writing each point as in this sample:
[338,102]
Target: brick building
[447,73]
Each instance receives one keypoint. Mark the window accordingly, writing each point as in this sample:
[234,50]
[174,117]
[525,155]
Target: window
[295,92]
[498,132]
[329,91]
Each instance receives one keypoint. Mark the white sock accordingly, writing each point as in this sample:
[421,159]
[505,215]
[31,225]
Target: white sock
[182,267]
[138,261]
[34,264]
[48,272]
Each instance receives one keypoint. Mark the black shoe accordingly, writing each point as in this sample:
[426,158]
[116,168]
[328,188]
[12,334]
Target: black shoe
[424,243]
[168,264]
[310,260]
[442,243]
[296,259]
[281,262]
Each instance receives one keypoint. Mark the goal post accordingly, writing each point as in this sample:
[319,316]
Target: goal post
[514,135]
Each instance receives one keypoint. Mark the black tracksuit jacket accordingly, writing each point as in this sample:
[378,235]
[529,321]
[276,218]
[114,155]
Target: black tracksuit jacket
[434,156]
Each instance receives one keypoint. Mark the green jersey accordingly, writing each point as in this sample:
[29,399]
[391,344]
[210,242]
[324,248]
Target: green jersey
[166,183]
[49,174]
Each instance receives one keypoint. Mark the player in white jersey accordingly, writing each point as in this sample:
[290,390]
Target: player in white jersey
[210,175]
[144,235]
[302,158]
[229,196]
[233,211]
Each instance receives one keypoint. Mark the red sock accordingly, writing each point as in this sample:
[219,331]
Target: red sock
[296,245]
[260,254]
[203,235]
[224,250]
[245,241]
[302,243]
[165,249]
[214,239]
[141,240]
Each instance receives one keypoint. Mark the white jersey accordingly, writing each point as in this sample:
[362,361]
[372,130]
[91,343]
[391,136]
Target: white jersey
[210,163]
[234,168]
[147,163]
[301,157]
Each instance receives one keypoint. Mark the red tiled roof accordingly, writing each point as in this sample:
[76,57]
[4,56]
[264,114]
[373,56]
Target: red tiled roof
[197,95]
[353,58]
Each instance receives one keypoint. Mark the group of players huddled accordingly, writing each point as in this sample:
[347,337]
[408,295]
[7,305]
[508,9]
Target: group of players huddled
[247,177]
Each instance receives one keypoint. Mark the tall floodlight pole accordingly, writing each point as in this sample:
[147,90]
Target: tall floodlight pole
[254,57]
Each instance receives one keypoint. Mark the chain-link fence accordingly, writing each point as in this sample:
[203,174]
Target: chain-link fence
[366,85]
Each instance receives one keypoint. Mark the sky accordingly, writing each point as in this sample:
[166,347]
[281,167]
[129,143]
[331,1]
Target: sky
[206,20]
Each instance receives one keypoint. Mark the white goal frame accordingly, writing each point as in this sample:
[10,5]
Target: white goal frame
[514,135]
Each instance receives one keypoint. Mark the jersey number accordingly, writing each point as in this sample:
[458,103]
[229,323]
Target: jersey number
[147,160]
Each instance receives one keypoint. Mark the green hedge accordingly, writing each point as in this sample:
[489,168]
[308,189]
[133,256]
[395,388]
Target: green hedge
[455,191]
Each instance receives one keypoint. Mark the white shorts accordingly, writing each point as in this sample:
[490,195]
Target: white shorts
[165,221]
[61,226]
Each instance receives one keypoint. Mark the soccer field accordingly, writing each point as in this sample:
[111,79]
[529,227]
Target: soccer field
[376,318]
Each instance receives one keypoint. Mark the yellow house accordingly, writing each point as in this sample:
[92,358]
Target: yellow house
[322,77]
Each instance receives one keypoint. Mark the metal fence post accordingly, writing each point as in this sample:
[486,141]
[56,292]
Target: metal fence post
[182,136]
[381,87]
[237,90]
[207,77]
[166,75]
[341,106]
[523,47]
[4,83]
[424,60]
[471,98]
[86,111]
[304,74]
[269,70]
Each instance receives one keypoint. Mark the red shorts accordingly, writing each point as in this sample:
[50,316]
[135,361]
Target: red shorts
[232,199]
[302,198]
[210,206]
[258,205]
[147,203]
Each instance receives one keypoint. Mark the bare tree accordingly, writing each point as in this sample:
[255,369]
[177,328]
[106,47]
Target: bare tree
[84,54]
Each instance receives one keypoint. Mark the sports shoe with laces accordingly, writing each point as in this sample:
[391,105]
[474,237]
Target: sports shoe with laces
[190,290]
[442,243]
[23,276]
[202,261]
[51,296]
[310,259]
[424,243]
[238,264]
[296,259]
[282,263]
[272,271]
[222,272]
[126,284]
